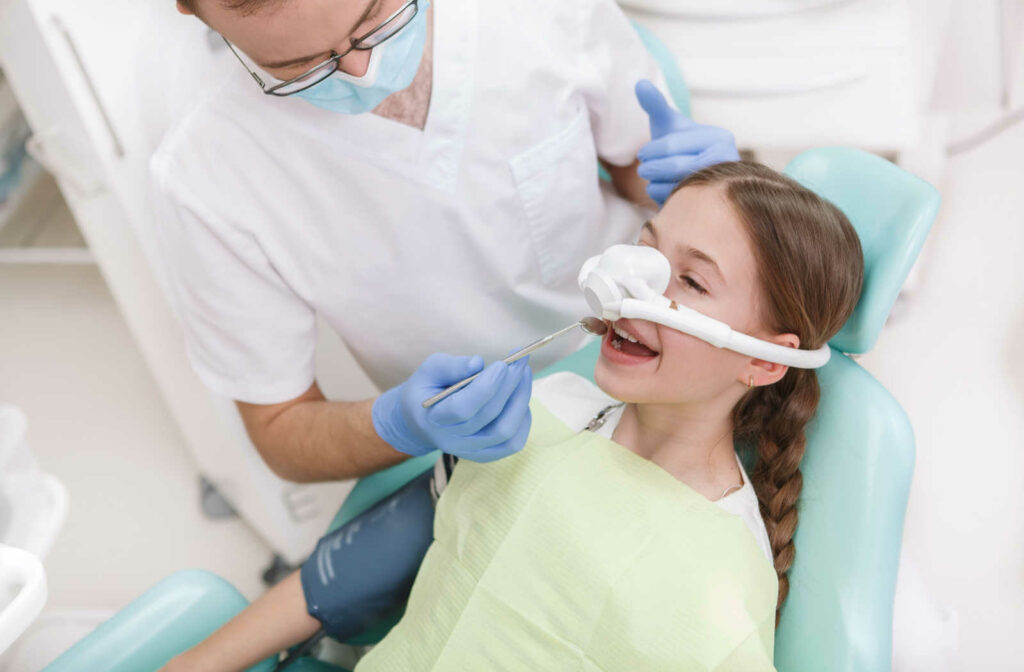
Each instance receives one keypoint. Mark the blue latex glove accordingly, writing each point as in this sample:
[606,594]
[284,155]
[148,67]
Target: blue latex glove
[487,420]
[679,146]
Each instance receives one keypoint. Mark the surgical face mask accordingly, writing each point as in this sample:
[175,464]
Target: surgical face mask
[393,66]
[630,281]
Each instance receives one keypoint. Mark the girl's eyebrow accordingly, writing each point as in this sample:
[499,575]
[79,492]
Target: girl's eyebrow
[702,256]
[699,255]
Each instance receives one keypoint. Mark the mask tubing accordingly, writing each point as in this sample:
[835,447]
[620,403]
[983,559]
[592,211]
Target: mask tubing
[720,335]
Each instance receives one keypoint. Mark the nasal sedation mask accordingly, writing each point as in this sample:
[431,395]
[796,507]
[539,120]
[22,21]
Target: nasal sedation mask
[630,281]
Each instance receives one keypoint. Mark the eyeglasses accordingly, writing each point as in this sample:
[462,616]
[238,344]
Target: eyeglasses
[385,31]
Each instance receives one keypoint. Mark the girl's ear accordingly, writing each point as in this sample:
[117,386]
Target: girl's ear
[765,373]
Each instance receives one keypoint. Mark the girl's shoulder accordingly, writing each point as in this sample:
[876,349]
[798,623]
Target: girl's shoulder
[571,398]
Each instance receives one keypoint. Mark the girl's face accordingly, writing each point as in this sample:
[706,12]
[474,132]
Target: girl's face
[713,272]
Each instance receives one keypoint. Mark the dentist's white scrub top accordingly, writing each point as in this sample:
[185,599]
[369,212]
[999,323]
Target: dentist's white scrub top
[465,237]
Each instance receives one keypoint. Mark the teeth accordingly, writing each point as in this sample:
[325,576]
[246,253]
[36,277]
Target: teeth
[624,335]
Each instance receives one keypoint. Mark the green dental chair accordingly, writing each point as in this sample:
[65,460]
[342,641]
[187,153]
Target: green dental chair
[857,468]
[857,471]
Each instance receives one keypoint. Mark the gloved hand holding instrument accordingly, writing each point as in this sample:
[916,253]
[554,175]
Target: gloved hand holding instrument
[455,405]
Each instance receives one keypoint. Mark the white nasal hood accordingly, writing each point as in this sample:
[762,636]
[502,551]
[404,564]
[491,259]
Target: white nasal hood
[630,281]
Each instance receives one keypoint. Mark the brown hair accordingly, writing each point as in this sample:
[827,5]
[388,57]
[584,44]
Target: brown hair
[810,270]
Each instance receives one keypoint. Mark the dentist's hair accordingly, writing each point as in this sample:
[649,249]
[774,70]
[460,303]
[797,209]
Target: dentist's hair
[810,270]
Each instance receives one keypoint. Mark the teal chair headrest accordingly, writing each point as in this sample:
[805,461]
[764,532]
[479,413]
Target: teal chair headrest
[892,211]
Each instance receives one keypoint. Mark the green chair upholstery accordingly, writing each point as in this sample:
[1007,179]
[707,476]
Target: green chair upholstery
[892,211]
[171,617]
[860,446]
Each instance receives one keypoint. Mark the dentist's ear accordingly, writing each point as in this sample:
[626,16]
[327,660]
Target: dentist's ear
[184,10]
[760,372]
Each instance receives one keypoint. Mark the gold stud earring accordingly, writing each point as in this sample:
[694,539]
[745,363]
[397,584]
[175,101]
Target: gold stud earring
[750,383]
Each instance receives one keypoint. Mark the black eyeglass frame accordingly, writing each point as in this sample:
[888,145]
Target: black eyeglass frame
[357,44]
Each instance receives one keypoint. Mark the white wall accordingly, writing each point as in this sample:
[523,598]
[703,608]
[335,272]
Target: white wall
[982,38]
[966,512]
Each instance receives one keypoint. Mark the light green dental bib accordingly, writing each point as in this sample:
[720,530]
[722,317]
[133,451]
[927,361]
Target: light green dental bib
[577,554]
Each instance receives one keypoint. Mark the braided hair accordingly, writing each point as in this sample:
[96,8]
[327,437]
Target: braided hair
[810,271]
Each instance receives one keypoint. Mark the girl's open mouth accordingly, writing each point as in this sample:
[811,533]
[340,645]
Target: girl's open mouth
[623,347]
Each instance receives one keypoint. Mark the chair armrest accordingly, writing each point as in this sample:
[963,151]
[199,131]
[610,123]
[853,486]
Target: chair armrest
[168,619]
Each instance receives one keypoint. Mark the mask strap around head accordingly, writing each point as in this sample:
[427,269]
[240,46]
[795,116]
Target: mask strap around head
[721,335]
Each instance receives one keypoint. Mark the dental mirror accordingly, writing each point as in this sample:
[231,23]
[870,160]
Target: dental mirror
[591,325]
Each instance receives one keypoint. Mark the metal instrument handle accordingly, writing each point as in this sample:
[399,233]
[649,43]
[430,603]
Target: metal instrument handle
[515,356]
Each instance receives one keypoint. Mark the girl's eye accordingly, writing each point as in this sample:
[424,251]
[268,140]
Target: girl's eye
[693,283]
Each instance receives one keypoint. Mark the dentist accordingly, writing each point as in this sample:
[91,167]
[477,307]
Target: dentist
[421,175]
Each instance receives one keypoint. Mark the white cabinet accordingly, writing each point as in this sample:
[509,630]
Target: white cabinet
[91,78]
[787,75]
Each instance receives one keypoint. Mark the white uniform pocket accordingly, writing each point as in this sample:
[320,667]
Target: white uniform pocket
[558,187]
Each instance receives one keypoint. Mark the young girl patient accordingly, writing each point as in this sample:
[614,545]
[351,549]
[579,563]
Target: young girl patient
[626,534]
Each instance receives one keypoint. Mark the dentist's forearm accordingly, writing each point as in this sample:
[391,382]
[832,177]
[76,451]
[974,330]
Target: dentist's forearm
[312,439]
[629,185]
